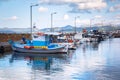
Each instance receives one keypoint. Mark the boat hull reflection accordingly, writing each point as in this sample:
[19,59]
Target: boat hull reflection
[37,61]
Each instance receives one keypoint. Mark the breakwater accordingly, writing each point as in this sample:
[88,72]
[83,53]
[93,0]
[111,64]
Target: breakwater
[15,37]
[116,35]
[4,37]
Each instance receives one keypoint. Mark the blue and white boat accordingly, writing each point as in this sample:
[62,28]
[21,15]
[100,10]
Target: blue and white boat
[40,43]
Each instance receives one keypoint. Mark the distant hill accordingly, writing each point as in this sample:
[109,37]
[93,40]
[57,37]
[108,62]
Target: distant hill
[64,28]
[67,28]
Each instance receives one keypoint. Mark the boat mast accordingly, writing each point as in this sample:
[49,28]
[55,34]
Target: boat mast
[31,17]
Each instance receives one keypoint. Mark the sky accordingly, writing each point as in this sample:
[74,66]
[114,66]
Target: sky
[16,13]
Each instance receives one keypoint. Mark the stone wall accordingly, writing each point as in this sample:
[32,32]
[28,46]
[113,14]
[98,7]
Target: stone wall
[15,37]
[116,35]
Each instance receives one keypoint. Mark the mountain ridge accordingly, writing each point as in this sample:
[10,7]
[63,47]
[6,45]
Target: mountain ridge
[67,28]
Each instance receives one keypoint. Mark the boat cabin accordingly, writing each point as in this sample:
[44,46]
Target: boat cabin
[44,39]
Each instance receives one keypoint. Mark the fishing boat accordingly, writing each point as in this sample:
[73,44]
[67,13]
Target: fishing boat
[67,40]
[40,43]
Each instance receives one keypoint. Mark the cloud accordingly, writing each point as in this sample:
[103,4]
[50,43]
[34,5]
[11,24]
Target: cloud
[89,6]
[113,0]
[117,16]
[114,22]
[92,5]
[111,9]
[98,16]
[11,18]
[43,9]
[78,5]
[51,1]
[59,2]
[114,8]
[117,7]
[117,22]
[96,5]
[75,9]
[66,17]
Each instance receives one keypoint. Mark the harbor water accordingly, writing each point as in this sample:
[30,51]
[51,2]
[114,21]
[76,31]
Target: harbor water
[91,61]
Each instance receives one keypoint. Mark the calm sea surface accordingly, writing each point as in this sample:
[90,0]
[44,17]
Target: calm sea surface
[91,61]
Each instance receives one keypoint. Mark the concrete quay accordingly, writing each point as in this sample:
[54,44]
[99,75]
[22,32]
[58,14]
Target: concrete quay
[6,46]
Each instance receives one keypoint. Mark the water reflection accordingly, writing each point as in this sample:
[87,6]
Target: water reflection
[89,46]
[91,61]
[37,61]
[95,45]
[43,66]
